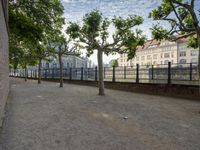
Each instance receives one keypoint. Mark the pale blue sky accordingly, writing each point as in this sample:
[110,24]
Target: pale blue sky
[76,9]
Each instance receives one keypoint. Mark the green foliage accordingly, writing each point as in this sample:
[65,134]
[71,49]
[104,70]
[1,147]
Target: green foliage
[193,42]
[159,33]
[31,23]
[94,34]
[113,62]
[73,30]
[181,16]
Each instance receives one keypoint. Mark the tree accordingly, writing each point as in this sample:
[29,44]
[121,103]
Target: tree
[31,23]
[20,55]
[94,35]
[183,19]
[113,62]
[63,46]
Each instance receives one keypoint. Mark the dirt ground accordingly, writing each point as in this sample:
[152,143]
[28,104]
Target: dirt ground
[46,117]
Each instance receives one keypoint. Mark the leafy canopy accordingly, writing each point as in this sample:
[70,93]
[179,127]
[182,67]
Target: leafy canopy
[30,23]
[94,34]
[182,18]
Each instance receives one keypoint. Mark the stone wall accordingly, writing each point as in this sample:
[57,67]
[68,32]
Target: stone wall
[172,90]
[4,63]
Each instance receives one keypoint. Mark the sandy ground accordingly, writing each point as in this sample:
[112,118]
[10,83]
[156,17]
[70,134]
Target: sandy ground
[46,117]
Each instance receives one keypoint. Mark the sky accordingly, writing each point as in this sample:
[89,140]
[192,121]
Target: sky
[76,9]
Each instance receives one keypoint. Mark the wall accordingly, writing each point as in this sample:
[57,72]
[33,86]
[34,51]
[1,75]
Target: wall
[174,90]
[4,64]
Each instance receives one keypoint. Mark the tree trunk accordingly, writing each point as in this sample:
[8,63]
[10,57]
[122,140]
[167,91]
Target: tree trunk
[61,69]
[25,73]
[39,71]
[14,72]
[100,66]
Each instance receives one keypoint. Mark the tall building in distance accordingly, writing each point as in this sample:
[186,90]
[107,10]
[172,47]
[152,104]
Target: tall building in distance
[161,52]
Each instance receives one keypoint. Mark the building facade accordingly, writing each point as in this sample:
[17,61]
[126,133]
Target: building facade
[160,53]
[4,61]
[68,62]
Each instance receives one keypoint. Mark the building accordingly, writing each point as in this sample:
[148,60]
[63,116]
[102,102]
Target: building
[160,53]
[69,62]
[4,62]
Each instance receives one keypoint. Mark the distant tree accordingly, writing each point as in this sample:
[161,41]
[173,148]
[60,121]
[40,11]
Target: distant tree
[64,47]
[95,36]
[113,62]
[183,19]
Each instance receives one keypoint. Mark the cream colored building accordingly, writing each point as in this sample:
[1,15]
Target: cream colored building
[160,53]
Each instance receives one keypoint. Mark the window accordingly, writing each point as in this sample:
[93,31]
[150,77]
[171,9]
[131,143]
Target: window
[166,61]
[194,60]
[181,54]
[143,58]
[172,55]
[161,55]
[183,61]
[149,57]
[166,55]
[148,63]
[137,58]
[194,53]
[155,56]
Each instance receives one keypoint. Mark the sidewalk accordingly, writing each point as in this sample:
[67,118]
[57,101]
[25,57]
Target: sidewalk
[46,117]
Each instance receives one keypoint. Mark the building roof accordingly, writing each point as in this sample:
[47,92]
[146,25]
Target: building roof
[155,43]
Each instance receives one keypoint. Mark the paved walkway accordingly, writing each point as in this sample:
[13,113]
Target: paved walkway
[45,117]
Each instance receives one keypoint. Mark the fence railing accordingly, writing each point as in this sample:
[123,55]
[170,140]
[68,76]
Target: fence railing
[165,73]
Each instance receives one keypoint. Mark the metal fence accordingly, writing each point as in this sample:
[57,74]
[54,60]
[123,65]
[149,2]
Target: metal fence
[164,74]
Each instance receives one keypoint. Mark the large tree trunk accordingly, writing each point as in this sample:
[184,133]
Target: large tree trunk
[100,66]
[39,71]
[25,73]
[61,69]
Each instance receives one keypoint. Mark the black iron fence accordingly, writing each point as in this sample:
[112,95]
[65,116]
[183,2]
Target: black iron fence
[165,73]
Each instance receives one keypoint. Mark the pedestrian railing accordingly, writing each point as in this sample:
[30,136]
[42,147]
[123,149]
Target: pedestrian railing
[155,74]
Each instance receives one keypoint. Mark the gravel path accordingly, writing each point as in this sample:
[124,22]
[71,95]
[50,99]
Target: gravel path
[45,117]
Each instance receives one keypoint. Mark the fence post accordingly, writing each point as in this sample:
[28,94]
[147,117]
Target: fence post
[152,74]
[169,73]
[104,72]
[137,73]
[82,73]
[35,74]
[124,72]
[45,73]
[52,73]
[113,78]
[95,73]
[70,74]
[88,73]
[31,74]
[190,71]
